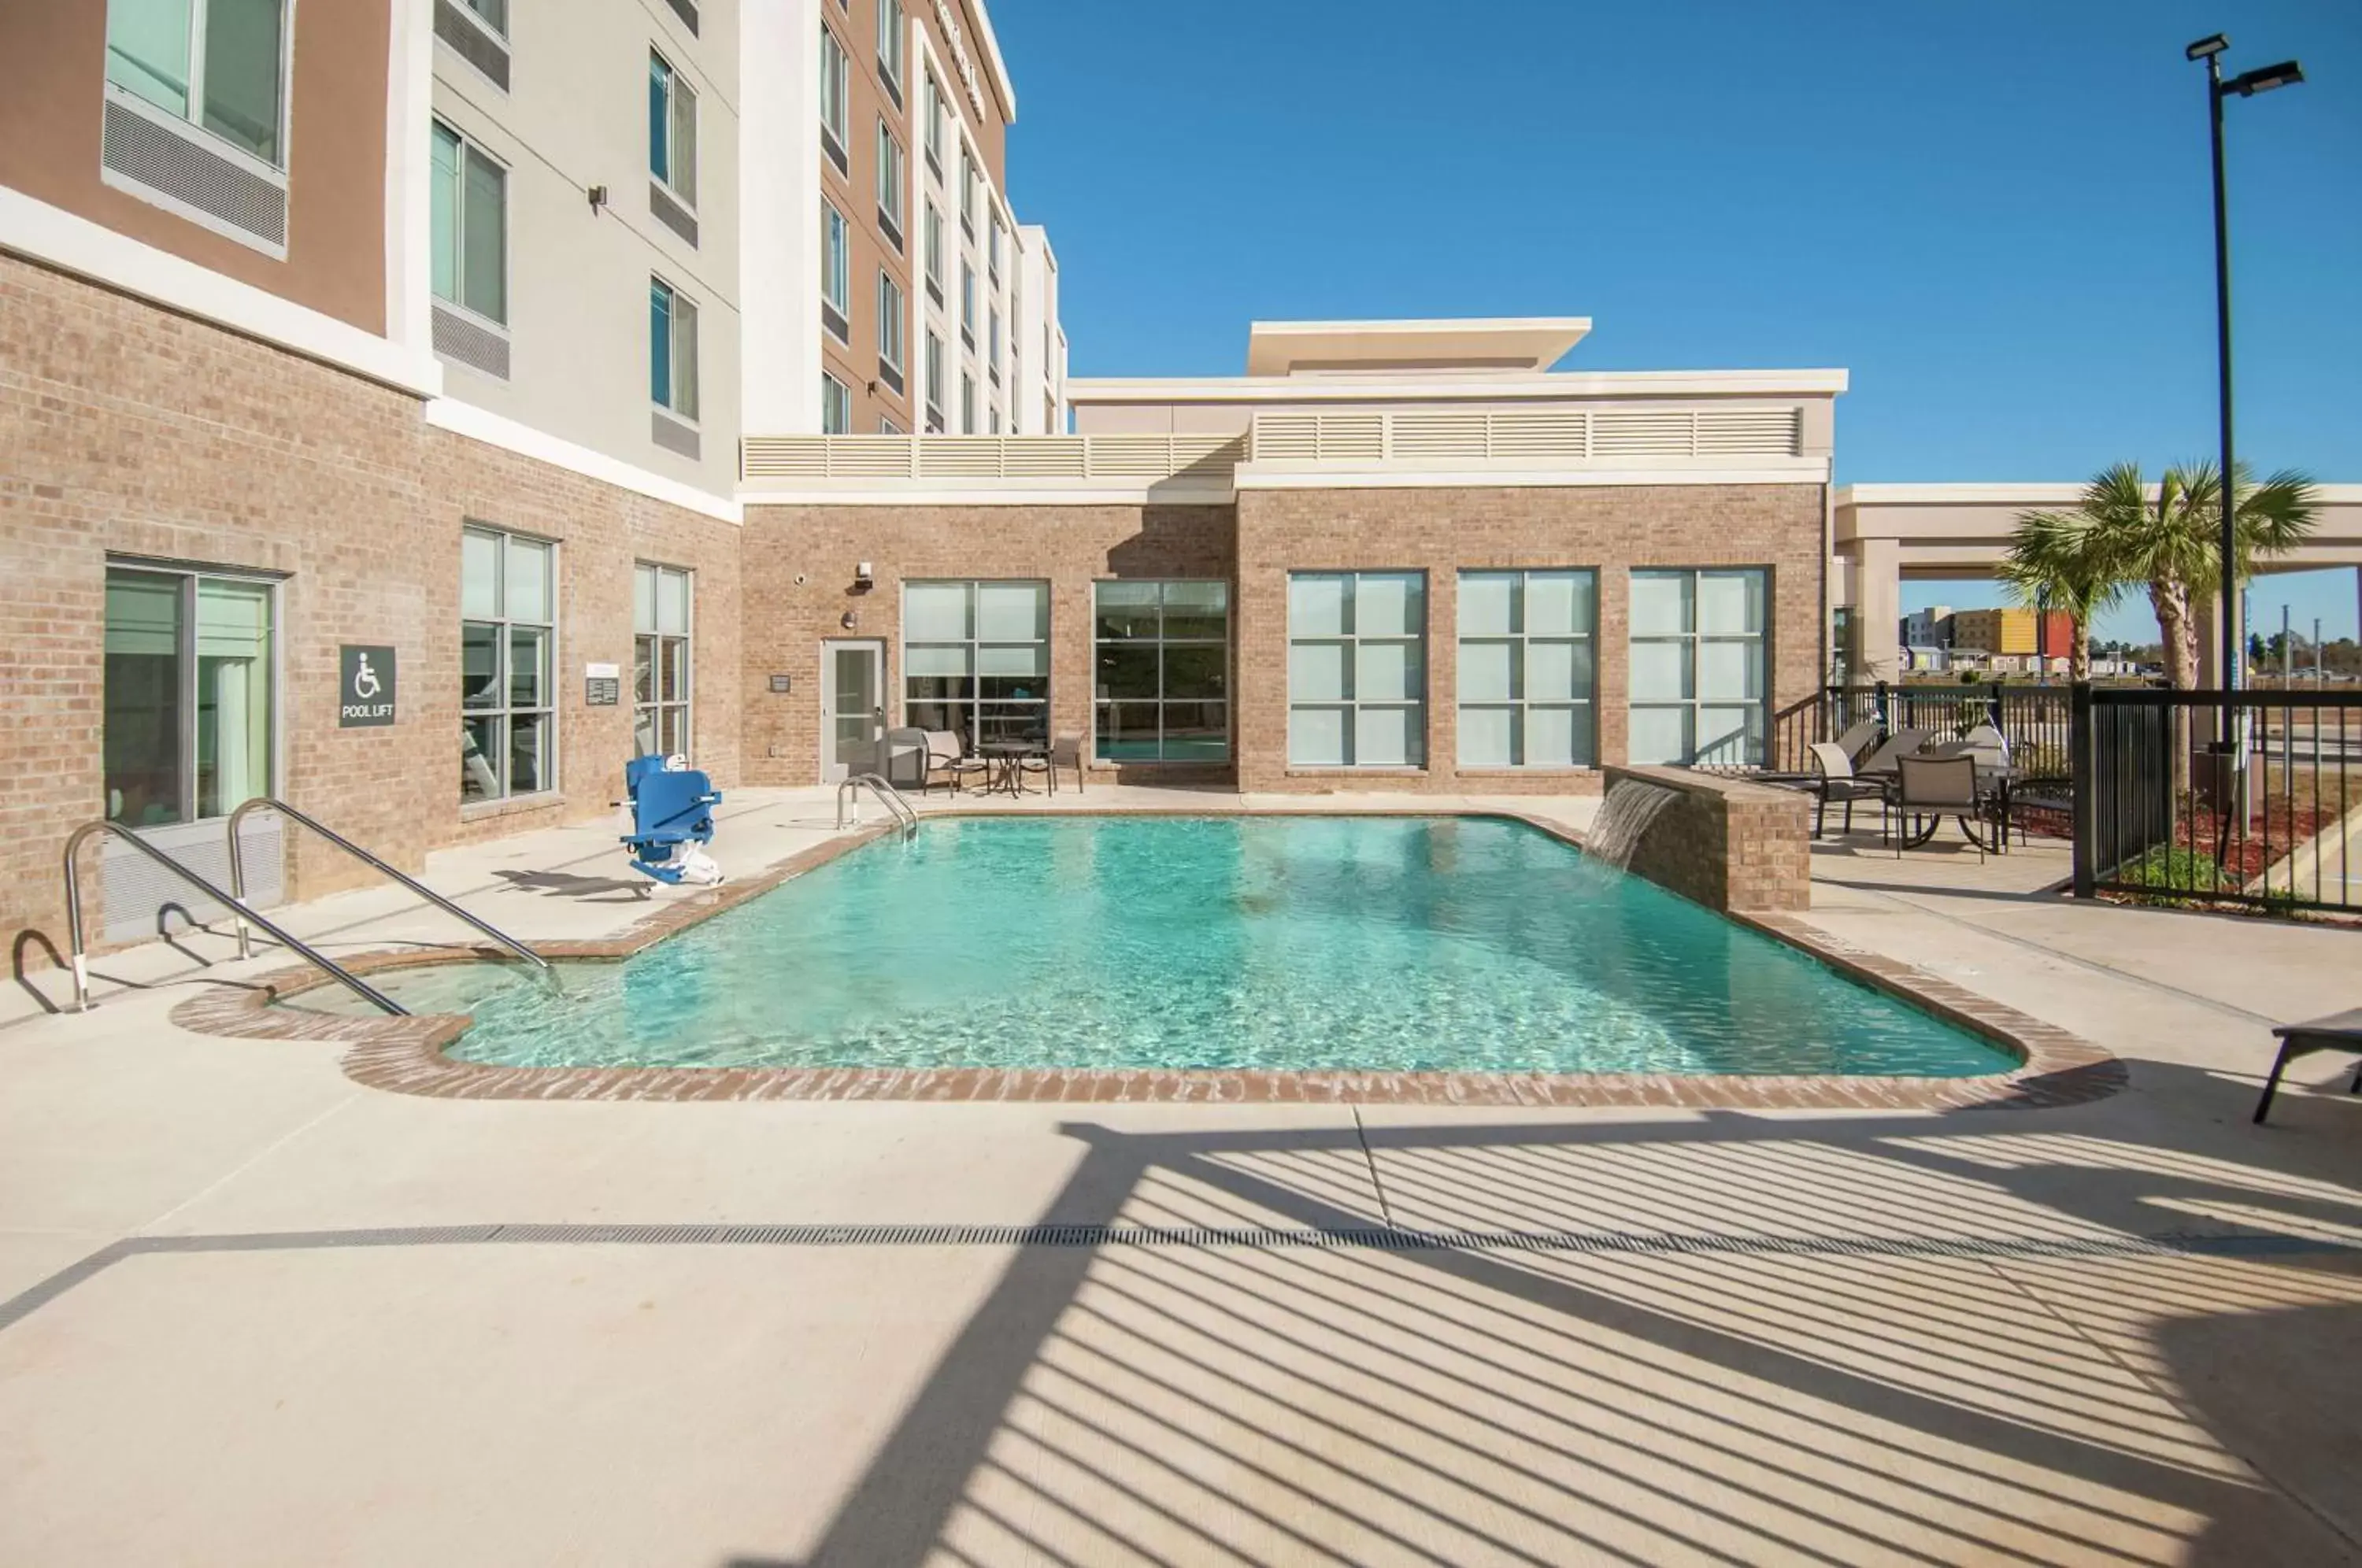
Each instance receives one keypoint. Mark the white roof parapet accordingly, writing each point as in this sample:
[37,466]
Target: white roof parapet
[1515,345]
[1084,390]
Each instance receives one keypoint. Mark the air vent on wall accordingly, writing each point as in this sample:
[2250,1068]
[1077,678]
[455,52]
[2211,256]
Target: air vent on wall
[471,43]
[470,344]
[671,213]
[674,436]
[173,162]
[686,13]
[138,891]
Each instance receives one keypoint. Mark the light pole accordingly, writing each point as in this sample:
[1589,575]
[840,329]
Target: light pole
[2244,86]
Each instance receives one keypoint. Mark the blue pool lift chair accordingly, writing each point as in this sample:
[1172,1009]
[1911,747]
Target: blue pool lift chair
[672,814]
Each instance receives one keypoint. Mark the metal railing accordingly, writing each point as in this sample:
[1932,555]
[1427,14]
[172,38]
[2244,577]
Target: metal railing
[237,880]
[81,835]
[2033,719]
[893,799]
[2164,816]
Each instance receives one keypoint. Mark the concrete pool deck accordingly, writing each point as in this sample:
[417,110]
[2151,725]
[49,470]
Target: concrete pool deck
[257,1313]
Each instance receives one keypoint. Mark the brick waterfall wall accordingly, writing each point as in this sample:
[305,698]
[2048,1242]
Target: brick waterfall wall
[1725,843]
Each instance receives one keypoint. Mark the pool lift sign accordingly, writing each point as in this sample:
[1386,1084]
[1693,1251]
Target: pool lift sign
[365,687]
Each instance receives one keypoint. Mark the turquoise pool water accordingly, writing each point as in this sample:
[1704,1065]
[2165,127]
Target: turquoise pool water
[1291,943]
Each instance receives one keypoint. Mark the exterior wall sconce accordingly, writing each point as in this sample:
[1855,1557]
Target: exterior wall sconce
[598,198]
[863,578]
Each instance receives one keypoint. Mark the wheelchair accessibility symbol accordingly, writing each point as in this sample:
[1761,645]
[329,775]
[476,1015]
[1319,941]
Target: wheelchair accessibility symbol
[367,699]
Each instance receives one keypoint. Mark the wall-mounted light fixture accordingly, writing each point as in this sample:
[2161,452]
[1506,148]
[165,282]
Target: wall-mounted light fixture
[863,578]
[598,198]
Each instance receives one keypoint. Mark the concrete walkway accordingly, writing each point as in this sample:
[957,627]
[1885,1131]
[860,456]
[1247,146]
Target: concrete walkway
[255,1314]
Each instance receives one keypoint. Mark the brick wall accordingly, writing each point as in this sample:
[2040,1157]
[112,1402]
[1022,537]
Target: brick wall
[125,430]
[1072,546]
[1724,843]
[1610,529]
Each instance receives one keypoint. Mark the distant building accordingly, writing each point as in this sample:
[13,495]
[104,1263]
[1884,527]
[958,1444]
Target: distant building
[2015,631]
[1929,628]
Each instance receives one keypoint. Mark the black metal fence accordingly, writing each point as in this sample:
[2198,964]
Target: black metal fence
[2164,812]
[2034,719]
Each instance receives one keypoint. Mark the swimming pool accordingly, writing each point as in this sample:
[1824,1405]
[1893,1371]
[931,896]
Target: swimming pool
[1278,944]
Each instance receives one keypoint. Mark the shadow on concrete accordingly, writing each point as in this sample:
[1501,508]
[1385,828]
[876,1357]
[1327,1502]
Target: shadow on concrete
[566,885]
[1897,1338]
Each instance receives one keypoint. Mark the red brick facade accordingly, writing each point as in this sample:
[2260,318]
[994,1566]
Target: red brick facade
[127,431]
[1610,529]
[799,589]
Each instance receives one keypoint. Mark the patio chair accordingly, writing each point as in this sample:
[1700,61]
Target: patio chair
[1834,780]
[1938,787]
[1902,743]
[1858,740]
[947,754]
[2338,1031]
[1067,751]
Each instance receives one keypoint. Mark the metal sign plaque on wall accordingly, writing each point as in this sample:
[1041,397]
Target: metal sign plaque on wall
[603,685]
[365,690]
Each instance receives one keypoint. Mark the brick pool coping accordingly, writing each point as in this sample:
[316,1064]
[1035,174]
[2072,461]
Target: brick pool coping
[407,1055]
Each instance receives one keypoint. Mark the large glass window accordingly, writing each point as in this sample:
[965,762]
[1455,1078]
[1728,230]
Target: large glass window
[835,406]
[967,302]
[1357,669]
[1698,690]
[469,218]
[1527,669]
[188,694]
[1161,684]
[660,660]
[891,314]
[835,264]
[976,658]
[967,404]
[218,64]
[835,95]
[508,659]
[932,237]
[672,129]
[672,349]
[934,123]
[992,343]
[934,383]
[890,43]
[892,175]
[992,250]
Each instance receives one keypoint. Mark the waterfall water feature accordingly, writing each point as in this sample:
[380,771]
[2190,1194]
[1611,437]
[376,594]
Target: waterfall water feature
[1623,815]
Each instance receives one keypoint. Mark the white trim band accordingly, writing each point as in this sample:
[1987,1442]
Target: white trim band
[71,243]
[496,430]
[1252,476]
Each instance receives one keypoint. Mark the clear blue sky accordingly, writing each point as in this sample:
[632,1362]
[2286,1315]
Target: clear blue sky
[1995,215]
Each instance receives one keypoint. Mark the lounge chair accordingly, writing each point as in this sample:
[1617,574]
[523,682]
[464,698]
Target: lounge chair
[948,755]
[1902,743]
[1834,780]
[1939,786]
[2338,1031]
[1858,740]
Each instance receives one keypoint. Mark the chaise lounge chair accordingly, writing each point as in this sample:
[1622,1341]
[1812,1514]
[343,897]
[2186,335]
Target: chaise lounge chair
[2338,1031]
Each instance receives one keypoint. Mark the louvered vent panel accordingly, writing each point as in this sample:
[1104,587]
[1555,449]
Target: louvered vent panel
[1209,455]
[1541,433]
[1131,457]
[1619,433]
[1749,432]
[470,343]
[136,889]
[1287,438]
[960,457]
[178,164]
[866,457]
[1352,437]
[1438,435]
[472,43]
[783,456]
[1046,456]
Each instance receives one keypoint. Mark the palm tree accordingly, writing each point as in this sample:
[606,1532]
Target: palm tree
[2055,563]
[2166,538]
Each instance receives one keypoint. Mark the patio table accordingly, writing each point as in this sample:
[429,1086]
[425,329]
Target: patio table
[1008,759]
[1993,780]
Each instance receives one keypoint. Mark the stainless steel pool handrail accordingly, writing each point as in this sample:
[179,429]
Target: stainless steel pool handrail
[81,835]
[237,879]
[900,809]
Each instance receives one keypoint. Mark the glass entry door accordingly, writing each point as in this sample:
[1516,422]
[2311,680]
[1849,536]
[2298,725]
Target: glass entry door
[852,708]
